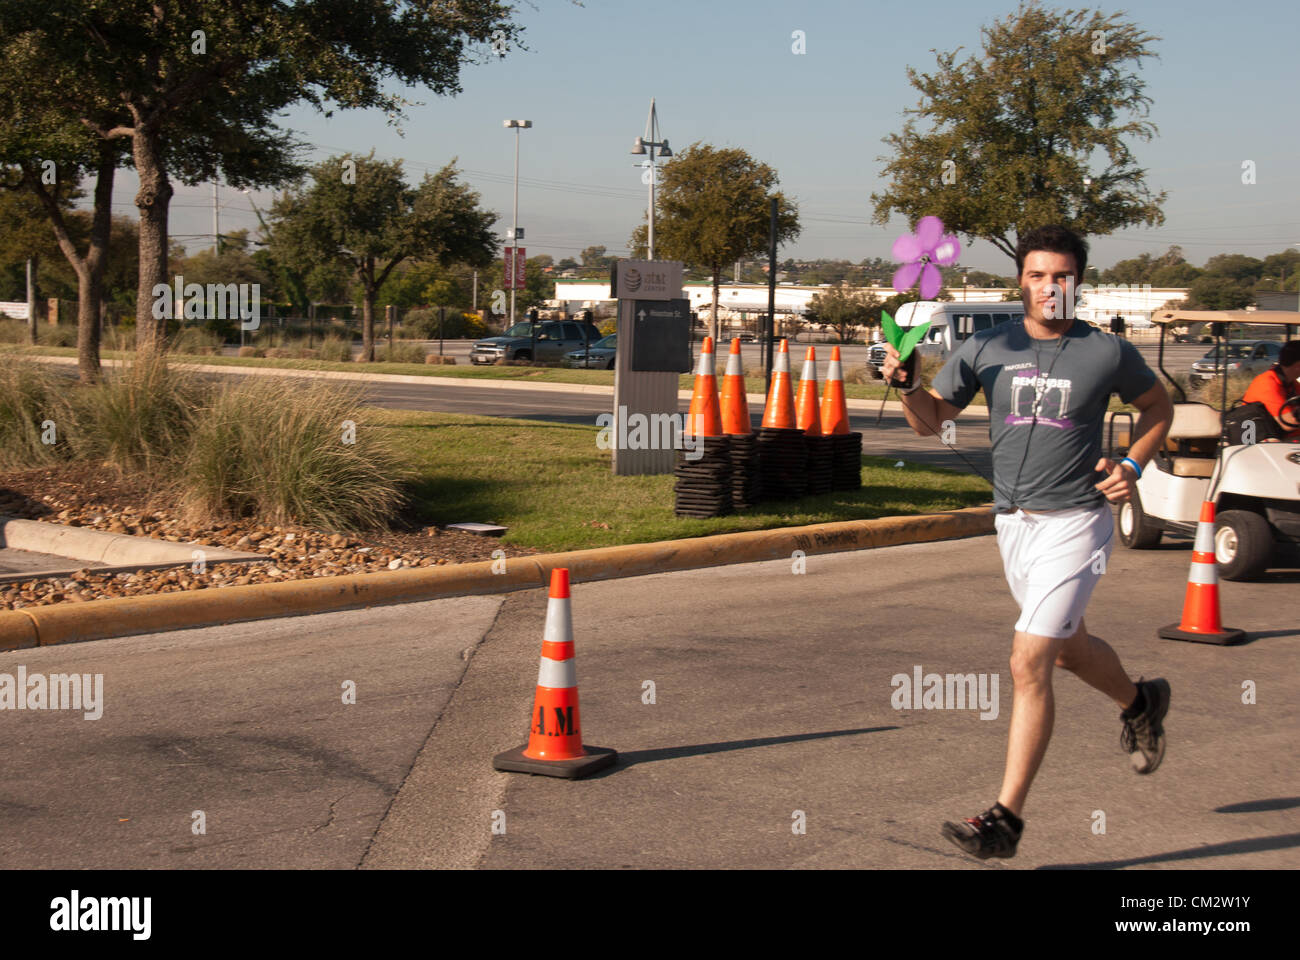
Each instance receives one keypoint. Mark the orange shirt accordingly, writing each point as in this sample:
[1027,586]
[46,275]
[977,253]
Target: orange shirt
[1269,390]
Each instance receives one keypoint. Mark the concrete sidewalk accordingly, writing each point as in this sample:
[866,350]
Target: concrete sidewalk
[772,695]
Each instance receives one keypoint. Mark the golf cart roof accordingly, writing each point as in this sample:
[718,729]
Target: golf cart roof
[1271,317]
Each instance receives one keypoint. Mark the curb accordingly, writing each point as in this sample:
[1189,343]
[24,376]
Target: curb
[45,626]
[754,399]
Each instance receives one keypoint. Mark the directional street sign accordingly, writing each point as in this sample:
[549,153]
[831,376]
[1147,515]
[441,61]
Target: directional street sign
[661,335]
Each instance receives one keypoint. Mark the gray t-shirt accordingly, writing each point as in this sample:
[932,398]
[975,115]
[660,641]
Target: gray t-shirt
[1047,403]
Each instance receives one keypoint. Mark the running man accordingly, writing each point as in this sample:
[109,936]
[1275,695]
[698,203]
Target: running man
[1048,382]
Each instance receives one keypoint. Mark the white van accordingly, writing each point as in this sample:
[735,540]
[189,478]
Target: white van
[950,324]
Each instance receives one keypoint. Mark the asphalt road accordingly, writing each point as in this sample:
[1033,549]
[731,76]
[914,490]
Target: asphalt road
[774,705]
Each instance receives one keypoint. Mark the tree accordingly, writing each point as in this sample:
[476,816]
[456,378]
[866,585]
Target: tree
[1013,132]
[843,309]
[196,87]
[594,259]
[1217,292]
[360,214]
[713,209]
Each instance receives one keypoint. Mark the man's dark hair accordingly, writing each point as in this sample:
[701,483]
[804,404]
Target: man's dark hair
[1054,239]
[1290,353]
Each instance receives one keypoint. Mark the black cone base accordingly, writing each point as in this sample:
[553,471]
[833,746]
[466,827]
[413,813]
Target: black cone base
[703,485]
[1227,638]
[597,758]
[846,461]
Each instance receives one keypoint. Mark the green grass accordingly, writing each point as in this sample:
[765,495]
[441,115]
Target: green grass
[551,485]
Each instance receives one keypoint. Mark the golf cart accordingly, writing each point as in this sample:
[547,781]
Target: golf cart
[1255,487]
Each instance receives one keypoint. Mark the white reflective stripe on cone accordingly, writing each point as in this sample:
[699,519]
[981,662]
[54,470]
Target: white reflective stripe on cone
[1203,573]
[809,370]
[733,365]
[705,367]
[560,674]
[782,364]
[1204,538]
[559,621]
[835,371]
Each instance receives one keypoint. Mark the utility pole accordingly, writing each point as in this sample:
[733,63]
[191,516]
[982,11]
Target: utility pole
[216,220]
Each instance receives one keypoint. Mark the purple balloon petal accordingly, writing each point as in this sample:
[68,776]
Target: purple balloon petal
[906,249]
[947,250]
[928,232]
[931,281]
[905,276]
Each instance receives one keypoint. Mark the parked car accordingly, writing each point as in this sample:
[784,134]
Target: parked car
[599,355]
[1243,356]
[554,338]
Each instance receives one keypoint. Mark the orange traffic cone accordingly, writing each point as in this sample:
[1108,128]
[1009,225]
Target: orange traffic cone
[704,419]
[806,417]
[835,412]
[779,412]
[1201,621]
[554,747]
[735,406]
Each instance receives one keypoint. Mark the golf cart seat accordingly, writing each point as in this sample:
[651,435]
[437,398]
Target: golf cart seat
[1195,421]
[1193,439]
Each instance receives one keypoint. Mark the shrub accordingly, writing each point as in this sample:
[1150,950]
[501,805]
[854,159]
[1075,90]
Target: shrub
[14,331]
[336,349]
[399,353]
[252,352]
[31,394]
[274,448]
[608,327]
[61,335]
[139,418]
[439,360]
[193,340]
[421,323]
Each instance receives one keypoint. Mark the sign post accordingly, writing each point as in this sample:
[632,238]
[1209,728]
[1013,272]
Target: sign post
[653,350]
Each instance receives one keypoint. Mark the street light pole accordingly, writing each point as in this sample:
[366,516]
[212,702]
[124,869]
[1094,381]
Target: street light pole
[639,149]
[514,228]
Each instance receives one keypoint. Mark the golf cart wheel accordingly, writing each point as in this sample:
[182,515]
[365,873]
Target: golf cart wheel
[1243,544]
[1136,531]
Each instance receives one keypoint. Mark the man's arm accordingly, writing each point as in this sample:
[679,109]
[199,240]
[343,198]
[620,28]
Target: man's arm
[924,409]
[1157,413]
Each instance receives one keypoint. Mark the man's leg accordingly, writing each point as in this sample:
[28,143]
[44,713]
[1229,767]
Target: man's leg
[1093,661]
[1032,712]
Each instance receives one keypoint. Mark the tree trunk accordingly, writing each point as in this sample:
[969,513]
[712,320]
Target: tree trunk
[153,201]
[90,280]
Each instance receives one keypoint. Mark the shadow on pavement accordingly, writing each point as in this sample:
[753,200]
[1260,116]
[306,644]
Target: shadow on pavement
[1256,806]
[694,750]
[1253,845]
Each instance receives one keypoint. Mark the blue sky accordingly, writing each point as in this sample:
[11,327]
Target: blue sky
[723,72]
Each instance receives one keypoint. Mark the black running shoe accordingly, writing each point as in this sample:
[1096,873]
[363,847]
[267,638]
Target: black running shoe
[1143,736]
[991,834]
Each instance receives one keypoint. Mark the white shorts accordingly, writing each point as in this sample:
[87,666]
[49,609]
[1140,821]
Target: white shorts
[1053,561]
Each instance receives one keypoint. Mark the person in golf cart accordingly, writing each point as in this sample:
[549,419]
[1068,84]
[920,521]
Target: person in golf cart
[1274,388]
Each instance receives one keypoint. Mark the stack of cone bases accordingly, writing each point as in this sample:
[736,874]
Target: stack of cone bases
[745,488]
[782,457]
[1201,622]
[555,747]
[846,447]
[703,465]
[818,448]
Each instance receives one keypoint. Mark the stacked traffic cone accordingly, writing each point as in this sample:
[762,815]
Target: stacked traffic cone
[555,747]
[740,432]
[781,454]
[846,456]
[1201,621]
[703,468]
[818,448]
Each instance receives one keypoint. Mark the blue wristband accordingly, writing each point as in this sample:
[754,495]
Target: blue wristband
[1135,466]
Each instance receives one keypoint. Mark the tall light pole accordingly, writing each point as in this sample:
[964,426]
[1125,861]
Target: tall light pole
[514,228]
[639,150]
